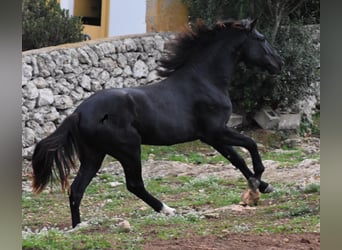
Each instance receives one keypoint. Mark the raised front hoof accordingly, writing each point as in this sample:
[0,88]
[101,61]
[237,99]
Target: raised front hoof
[253,183]
[267,189]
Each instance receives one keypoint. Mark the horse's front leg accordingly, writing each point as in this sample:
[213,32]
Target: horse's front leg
[223,142]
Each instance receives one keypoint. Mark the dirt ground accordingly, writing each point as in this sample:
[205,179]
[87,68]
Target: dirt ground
[306,172]
[241,241]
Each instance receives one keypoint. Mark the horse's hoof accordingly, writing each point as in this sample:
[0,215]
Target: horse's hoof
[268,189]
[167,210]
[253,183]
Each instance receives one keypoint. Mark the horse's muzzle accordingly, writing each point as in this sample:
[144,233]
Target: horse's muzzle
[275,65]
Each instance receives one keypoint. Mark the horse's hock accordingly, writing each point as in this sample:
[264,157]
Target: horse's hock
[56,79]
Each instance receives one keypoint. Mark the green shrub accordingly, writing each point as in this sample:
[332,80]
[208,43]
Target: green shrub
[45,24]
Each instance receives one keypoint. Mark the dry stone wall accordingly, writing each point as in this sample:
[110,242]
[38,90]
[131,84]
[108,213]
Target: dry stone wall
[56,79]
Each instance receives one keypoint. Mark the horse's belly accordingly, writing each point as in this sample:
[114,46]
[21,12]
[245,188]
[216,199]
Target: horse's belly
[167,133]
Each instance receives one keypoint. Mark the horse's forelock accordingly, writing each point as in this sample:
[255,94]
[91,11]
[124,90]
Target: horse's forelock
[243,24]
[199,29]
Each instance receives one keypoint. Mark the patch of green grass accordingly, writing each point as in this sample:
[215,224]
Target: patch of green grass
[58,240]
[312,188]
[106,177]
[194,152]
[287,157]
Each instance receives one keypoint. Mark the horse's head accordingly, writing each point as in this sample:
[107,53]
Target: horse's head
[257,51]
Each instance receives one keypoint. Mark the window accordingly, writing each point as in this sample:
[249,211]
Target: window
[89,10]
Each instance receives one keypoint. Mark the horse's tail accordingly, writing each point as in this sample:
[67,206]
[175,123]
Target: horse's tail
[56,153]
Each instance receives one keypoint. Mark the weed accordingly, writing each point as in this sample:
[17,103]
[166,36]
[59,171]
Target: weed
[310,127]
[312,188]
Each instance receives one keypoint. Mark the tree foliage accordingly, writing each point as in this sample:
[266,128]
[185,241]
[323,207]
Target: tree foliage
[283,22]
[44,24]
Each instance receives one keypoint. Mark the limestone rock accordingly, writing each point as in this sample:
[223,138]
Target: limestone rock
[45,97]
[124,226]
[28,137]
[140,69]
[30,91]
[85,82]
[63,102]
[130,44]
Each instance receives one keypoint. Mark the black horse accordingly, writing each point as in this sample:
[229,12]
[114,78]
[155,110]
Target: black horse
[191,103]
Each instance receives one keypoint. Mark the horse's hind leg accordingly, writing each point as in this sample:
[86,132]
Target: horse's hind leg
[90,164]
[129,157]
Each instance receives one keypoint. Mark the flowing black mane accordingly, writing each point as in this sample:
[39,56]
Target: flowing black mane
[187,42]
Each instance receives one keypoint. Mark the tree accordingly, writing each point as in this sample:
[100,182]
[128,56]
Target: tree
[278,10]
[270,12]
[44,24]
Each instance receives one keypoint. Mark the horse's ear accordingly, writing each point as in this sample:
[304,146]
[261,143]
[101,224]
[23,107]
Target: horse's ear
[253,24]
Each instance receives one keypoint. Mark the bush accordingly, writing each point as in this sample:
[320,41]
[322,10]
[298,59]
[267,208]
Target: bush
[45,24]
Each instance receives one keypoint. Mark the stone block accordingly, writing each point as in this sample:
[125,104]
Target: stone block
[289,121]
[267,118]
[235,120]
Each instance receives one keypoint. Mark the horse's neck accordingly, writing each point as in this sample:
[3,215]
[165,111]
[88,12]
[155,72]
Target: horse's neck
[217,67]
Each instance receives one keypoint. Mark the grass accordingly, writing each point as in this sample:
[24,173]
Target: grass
[54,239]
[287,210]
[190,152]
[287,157]
[298,208]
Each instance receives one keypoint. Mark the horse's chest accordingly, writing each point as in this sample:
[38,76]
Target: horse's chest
[221,107]
[212,113]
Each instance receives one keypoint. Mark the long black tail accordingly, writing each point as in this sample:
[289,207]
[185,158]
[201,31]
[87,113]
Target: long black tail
[56,152]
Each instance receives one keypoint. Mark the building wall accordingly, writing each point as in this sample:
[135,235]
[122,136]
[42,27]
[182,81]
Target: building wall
[166,15]
[95,31]
[67,4]
[132,16]
[127,17]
